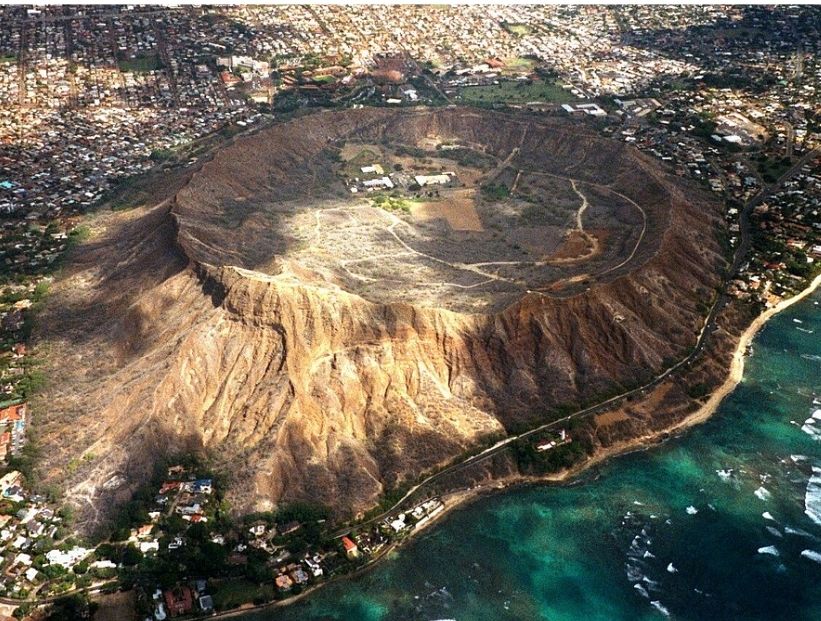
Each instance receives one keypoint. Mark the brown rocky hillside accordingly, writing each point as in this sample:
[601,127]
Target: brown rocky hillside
[188,325]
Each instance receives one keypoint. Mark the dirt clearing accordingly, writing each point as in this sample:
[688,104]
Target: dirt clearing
[458,209]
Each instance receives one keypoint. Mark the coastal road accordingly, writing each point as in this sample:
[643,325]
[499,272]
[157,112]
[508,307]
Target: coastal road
[708,327]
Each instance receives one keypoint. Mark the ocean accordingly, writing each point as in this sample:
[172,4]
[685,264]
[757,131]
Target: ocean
[723,522]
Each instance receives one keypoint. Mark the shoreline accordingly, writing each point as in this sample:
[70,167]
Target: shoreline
[460,499]
[735,374]
[736,371]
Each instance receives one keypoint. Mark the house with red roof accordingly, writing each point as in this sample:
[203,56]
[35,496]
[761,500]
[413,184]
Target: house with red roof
[13,423]
[179,600]
[351,549]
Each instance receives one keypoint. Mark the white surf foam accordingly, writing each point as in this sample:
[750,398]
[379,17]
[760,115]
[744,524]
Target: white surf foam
[797,531]
[812,497]
[768,550]
[762,493]
[660,607]
[651,584]
[691,510]
[812,555]
[633,573]
[811,430]
[768,516]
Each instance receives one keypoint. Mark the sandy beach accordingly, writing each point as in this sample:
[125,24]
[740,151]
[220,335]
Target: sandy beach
[736,371]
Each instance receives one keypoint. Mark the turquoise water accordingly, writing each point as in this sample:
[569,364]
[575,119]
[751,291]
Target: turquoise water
[603,549]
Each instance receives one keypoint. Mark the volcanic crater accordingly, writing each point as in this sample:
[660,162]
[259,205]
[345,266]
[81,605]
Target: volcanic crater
[335,304]
[527,207]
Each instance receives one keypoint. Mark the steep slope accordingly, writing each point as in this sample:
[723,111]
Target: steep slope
[185,328]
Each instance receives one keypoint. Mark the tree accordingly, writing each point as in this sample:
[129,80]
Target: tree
[131,555]
[72,608]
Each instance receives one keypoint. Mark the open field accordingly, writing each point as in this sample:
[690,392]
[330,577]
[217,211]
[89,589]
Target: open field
[520,30]
[230,594]
[515,93]
[458,209]
[519,64]
[140,64]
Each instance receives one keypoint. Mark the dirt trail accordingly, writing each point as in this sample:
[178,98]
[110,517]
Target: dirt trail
[582,209]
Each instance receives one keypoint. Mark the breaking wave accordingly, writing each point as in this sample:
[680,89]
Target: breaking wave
[812,555]
[769,550]
[812,497]
[660,607]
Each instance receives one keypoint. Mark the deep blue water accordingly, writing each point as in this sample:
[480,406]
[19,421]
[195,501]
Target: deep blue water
[712,525]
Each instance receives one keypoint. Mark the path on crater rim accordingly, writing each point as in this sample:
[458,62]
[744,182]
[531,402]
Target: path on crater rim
[619,194]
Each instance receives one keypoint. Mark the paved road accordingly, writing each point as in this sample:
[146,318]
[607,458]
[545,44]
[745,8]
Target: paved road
[707,329]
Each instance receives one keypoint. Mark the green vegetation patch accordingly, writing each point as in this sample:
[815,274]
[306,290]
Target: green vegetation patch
[517,30]
[324,79]
[161,155]
[771,168]
[468,157]
[7,58]
[365,157]
[234,593]
[140,64]
[495,191]
[520,64]
[512,92]
[392,202]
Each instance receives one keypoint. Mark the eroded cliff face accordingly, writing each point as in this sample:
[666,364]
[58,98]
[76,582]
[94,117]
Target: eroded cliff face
[162,338]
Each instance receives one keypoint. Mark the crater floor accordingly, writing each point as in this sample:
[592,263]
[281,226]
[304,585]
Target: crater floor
[456,208]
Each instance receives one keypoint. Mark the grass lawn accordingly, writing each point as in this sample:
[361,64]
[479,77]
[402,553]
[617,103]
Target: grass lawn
[140,64]
[519,64]
[365,157]
[234,593]
[519,30]
[515,93]
[7,58]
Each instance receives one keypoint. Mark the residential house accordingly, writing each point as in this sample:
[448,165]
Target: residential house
[179,600]
[351,549]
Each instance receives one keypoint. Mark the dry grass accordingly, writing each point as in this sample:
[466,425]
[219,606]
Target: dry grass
[458,209]
[118,606]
